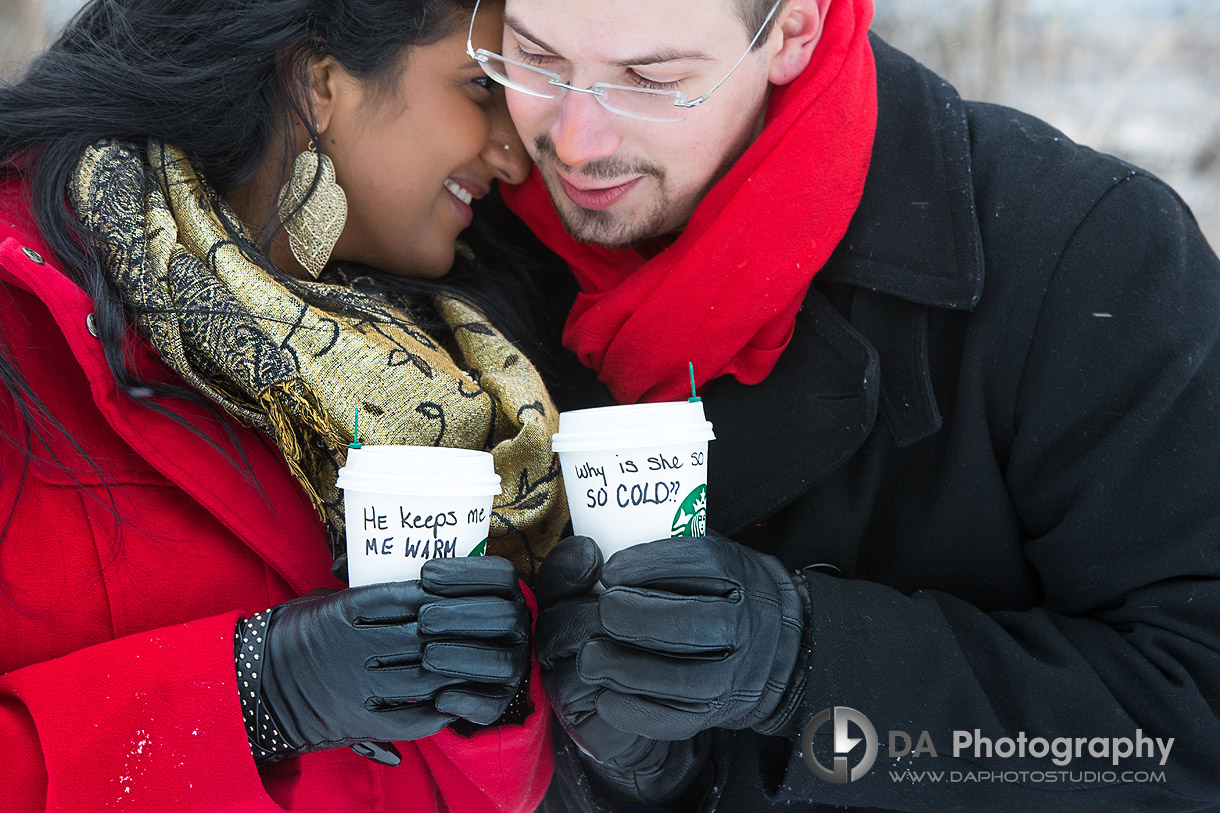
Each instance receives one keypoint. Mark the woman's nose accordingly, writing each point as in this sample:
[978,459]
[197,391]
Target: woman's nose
[504,151]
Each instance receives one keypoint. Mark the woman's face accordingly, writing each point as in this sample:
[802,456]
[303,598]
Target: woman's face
[411,157]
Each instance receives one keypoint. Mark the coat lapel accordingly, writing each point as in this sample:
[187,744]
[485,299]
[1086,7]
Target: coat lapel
[915,234]
[776,438]
[246,486]
[260,503]
[913,244]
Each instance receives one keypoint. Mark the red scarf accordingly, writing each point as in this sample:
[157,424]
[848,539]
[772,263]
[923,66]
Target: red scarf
[726,293]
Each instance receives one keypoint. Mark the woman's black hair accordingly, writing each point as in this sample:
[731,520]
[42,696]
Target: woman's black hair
[222,80]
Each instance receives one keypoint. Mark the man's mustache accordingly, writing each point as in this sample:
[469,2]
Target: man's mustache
[599,169]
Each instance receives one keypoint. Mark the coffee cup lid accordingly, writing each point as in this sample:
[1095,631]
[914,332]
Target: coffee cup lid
[423,470]
[632,425]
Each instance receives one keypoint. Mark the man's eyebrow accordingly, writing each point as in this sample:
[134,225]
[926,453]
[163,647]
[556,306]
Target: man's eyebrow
[664,55]
[515,25]
[654,58]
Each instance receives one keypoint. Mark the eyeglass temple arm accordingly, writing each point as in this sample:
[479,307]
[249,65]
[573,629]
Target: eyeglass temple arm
[742,58]
[470,32]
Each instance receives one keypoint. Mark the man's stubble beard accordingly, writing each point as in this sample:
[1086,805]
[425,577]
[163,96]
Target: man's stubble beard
[603,228]
[599,226]
[608,230]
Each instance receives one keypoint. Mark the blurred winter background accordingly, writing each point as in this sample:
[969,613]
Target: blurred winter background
[1136,78]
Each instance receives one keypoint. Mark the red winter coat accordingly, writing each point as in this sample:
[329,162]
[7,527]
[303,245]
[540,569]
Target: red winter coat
[117,684]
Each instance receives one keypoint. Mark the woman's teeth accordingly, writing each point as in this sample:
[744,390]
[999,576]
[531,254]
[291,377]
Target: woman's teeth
[458,192]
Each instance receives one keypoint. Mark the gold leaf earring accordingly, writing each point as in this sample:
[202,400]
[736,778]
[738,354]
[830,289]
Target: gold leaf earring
[313,221]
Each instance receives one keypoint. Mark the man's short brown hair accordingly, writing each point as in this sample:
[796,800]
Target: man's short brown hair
[752,14]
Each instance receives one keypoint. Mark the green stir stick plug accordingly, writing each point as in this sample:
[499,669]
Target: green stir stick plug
[693,395]
[355,444]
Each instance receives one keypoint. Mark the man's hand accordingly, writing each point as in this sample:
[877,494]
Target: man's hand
[635,768]
[566,621]
[691,634]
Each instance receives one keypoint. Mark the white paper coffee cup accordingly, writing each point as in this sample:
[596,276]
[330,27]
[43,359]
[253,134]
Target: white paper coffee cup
[635,473]
[404,505]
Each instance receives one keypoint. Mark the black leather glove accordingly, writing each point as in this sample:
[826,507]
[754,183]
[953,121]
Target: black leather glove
[632,767]
[395,661]
[696,633]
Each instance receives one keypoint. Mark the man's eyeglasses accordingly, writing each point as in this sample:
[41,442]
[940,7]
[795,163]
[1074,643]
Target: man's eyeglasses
[646,104]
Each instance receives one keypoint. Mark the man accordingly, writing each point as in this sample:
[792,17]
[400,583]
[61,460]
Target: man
[964,380]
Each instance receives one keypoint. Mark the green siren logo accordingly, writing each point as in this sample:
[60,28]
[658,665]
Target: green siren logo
[691,519]
[479,549]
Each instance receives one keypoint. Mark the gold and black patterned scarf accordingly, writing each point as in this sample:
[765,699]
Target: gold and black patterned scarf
[256,346]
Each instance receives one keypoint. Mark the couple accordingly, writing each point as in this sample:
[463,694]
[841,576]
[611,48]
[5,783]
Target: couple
[965,474]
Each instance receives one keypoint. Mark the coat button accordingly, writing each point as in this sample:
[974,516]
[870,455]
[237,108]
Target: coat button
[91,325]
[33,255]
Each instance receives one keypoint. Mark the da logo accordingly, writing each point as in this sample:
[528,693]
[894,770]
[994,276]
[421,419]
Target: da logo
[844,744]
[691,519]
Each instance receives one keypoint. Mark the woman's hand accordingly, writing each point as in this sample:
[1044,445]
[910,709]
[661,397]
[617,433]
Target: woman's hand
[395,661]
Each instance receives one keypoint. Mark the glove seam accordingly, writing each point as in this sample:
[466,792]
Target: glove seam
[777,722]
[431,666]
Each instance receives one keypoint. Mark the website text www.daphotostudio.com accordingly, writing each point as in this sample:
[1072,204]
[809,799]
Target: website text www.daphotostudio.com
[854,747]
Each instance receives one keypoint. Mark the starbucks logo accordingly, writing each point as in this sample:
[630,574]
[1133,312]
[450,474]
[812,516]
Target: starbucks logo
[691,519]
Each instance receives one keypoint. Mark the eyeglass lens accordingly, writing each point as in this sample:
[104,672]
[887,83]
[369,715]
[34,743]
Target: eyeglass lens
[643,103]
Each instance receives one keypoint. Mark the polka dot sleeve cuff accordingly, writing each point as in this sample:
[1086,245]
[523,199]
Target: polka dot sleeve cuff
[266,743]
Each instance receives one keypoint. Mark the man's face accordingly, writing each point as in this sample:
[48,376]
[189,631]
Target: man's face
[617,181]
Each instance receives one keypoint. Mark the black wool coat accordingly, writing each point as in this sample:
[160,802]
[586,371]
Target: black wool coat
[997,428]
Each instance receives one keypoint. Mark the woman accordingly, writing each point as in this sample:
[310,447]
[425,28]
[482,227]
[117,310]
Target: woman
[176,396]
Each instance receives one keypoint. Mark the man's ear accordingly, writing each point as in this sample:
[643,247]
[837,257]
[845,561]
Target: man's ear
[800,26]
